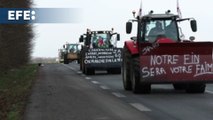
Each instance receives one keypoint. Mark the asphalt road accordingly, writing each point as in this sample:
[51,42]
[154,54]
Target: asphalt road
[62,92]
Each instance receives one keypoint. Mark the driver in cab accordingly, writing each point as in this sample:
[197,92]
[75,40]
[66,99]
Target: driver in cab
[156,32]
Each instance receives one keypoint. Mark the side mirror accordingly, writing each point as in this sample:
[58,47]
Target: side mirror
[128,27]
[118,37]
[81,39]
[79,47]
[193,25]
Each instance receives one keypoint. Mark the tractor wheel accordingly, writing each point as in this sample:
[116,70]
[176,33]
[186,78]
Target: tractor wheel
[78,61]
[89,71]
[65,59]
[86,70]
[196,88]
[137,86]
[81,66]
[66,62]
[126,74]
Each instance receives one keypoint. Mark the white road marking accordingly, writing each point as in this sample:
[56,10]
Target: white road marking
[104,87]
[95,82]
[208,91]
[79,72]
[88,78]
[118,94]
[140,107]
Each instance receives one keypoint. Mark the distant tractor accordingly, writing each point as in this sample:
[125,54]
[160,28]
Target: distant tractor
[100,52]
[157,55]
[71,53]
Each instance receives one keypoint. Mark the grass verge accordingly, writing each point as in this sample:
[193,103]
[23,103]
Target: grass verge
[15,86]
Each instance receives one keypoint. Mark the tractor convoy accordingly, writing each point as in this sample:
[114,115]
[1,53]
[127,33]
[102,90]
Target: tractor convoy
[156,55]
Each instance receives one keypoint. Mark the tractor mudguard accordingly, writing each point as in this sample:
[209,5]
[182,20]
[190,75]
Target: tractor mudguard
[132,47]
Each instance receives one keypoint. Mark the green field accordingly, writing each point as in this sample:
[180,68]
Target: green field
[15,87]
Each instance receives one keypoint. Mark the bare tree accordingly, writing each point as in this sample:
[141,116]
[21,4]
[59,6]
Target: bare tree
[15,39]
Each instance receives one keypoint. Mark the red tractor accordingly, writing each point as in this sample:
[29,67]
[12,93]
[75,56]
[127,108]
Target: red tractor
[157,55]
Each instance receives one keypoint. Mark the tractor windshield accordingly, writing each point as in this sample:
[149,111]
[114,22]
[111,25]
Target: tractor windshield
[73,48]
[156,29]
[101,40]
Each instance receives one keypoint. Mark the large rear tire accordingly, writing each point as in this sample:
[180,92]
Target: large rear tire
[126,74]
[81,64]
[78,61]
[83,68]
[65,59]
[137,86]
[89,71]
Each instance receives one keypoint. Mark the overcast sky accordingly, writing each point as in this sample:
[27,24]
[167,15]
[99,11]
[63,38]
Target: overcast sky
[105,14]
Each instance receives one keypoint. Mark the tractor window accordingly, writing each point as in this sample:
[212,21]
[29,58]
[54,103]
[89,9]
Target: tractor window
[73,48]
[171,30]
[156,29]
[100,40]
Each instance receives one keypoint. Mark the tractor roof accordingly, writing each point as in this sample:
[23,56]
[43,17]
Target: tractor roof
[159,16]
[103,31]
[72,44]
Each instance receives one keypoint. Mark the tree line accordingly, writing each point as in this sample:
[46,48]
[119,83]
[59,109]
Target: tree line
[15,39]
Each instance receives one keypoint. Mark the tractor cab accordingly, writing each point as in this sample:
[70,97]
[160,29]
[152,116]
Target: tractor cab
[162,28]
[100,39]
[159,26]
[72,48]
